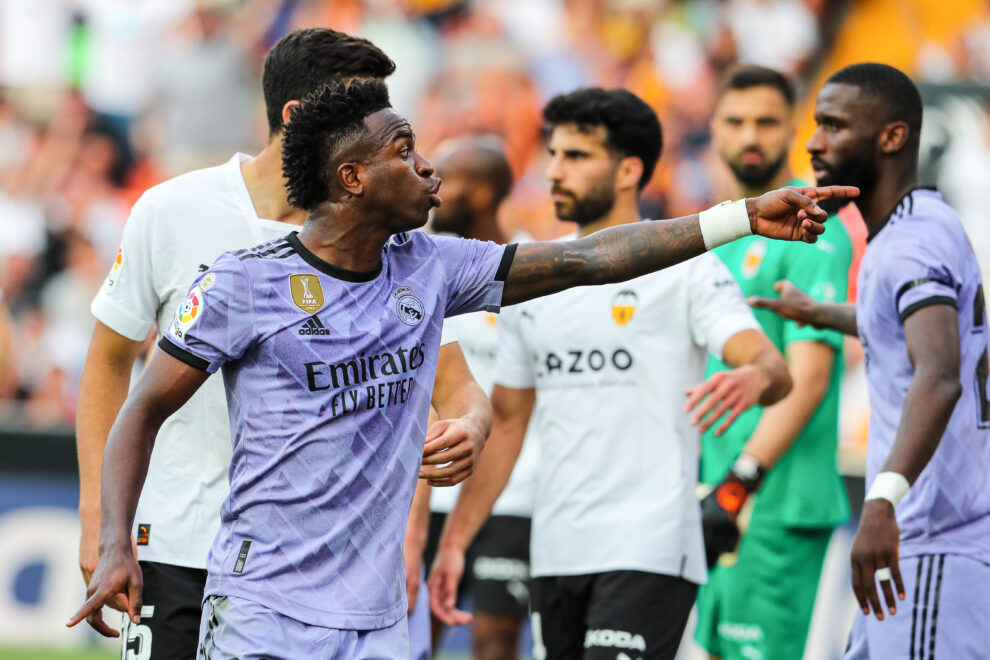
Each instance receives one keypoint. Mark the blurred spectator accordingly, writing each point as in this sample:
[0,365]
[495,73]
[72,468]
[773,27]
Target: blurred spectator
[207,100]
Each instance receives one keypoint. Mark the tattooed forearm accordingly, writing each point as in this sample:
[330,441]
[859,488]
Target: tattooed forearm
[611,255]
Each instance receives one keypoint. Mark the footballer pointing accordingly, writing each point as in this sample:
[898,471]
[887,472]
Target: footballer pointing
[308,559]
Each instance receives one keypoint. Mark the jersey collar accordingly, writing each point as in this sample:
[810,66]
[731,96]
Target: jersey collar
[327,267]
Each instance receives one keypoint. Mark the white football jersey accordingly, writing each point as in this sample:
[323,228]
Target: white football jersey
[175,231]
[477,334]
[618,454]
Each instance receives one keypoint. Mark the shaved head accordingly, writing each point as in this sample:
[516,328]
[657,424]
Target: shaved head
[477,179]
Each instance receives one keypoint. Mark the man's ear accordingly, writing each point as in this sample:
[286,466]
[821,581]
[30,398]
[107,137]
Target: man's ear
[893,137]
[628,173]
[287,110]
[351,177]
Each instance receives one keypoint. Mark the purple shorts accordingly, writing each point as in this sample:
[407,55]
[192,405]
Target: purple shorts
[237,628]
[419,623]
[945,614]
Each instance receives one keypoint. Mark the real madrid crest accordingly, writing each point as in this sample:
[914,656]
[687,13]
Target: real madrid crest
[307,293]
[624,306]
[408,307]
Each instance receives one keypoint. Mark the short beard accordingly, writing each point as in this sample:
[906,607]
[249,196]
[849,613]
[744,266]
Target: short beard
[858,170]
[588,209]
[757,177]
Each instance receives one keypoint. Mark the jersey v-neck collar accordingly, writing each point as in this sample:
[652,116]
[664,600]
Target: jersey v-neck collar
[328,268]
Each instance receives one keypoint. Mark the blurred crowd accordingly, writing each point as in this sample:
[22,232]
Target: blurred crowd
[100,99]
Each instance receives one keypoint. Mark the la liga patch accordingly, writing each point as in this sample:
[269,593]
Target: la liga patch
[114,275]
[188,313]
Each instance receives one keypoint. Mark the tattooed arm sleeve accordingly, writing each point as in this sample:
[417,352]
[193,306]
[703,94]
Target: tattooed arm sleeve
[611,255]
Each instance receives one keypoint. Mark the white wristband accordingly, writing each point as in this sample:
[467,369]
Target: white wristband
[890,486]
[724,223]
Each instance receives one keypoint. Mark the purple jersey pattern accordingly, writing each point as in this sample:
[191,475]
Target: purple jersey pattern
[328,412]
[920,257]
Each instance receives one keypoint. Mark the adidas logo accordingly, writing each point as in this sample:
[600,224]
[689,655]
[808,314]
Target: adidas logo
[313,326]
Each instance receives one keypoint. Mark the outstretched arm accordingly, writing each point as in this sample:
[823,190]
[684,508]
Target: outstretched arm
[622,253]
[796,305]
[166,384]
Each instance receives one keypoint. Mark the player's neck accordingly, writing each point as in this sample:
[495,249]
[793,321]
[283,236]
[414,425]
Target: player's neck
[485,228]
[892,185]
[623,212]
[263,178]
[343,238]
[781,179]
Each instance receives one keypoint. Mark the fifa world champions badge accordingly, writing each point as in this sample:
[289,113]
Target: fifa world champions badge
[307,293]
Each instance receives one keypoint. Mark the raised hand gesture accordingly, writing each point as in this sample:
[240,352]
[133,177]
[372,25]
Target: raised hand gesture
[792,214]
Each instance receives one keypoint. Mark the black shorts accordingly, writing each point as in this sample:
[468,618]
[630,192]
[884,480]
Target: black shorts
[497,572]
[596,617]
[172,604]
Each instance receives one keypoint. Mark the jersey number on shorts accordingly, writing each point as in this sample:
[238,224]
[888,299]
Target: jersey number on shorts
[137,638]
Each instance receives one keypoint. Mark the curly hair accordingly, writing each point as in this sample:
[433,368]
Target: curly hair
[632,127]
[304,60]
[319,127]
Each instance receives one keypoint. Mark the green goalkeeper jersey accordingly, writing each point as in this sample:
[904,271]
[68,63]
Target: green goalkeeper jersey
[804,488]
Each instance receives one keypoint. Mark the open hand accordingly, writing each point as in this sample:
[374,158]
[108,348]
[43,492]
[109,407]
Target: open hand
[445,576]
[792,214]
[734,391]
[876,547]
[793,304]
[452,449]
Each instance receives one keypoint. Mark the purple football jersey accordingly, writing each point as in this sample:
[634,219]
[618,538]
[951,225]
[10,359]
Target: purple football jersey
[329,375]
[922,257]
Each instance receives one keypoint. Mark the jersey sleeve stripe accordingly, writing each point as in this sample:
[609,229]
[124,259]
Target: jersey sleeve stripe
[927,302]
[503,266]
[918,282]
[181,354]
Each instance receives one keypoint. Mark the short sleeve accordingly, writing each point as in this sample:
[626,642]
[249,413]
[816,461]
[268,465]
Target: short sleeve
[215,323]
[917,277]
[820,269]
[475,273]
[718,309]
[128,303]
[513,364]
